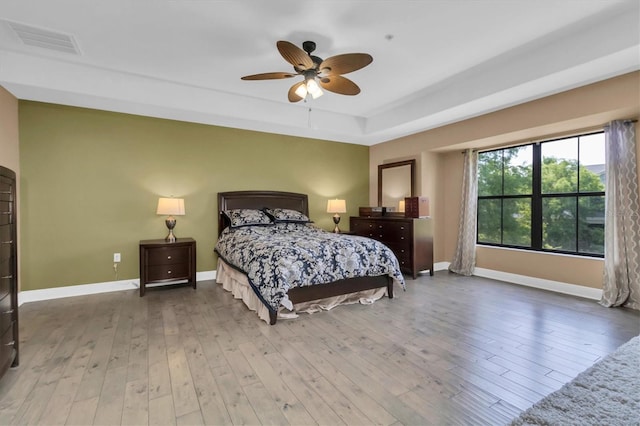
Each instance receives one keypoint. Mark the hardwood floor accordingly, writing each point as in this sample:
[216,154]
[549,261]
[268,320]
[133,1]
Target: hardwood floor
[449,350]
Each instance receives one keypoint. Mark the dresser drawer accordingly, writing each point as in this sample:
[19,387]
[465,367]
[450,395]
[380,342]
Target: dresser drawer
[6,314]
[7,348]
[167,255]
[397,232]
[6,276]
[178,271]
[5,235]
[365,228]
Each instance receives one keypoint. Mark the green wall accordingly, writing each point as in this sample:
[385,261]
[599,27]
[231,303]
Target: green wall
[91,180]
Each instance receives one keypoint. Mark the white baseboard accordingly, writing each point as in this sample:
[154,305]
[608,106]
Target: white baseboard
[106,287]
[84,289]
[441,266]
[557,286]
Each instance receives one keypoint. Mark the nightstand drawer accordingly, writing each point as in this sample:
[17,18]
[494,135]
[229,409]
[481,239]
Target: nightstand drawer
[179,271]
[167,255]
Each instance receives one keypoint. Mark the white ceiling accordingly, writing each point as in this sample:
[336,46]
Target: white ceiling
[435,62]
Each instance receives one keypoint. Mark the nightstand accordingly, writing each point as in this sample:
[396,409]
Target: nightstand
[163,262]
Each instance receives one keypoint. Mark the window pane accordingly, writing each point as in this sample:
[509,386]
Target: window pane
[592,176]
[560,166]
[591,225]
[489,221]
[518,170]
[559,223]
[490,173]
[516,222]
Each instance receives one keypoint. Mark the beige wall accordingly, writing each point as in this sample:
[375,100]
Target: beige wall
[9,147]
[439,159]
[9,144]
[91,181]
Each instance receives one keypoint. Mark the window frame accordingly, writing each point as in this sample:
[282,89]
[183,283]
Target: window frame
[537,200]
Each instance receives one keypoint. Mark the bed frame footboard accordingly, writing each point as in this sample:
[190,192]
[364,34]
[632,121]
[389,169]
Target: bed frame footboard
[336,288]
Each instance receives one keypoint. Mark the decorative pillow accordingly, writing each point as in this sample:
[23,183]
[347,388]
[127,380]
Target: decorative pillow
[287,215]
[247,217]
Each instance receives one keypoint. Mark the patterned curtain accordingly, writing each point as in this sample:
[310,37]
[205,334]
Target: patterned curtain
[621,283]
[464,259]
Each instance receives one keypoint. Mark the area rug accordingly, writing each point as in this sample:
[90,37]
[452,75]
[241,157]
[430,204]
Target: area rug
[608,393]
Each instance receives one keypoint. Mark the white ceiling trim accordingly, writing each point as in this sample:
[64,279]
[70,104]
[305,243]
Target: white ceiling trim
[592,49]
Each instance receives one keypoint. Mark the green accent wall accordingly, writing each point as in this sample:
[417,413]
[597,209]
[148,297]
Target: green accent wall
[90,182]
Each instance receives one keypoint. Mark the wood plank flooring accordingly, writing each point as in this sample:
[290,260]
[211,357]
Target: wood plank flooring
[449,350]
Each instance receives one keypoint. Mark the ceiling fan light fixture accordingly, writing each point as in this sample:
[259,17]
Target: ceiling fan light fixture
[313,88]
[302,91]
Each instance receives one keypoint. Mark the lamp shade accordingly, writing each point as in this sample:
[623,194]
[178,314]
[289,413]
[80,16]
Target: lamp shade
[170,206]
[336,206]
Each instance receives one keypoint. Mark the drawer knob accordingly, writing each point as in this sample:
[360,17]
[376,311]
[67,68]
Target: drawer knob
[168,257]
[168,272]
[402,227]
[402,238]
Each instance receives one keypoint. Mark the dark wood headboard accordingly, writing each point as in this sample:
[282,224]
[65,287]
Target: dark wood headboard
[259,200]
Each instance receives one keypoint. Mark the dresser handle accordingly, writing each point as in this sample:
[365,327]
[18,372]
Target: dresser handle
[6,242]
[11,343]
[402,238]
[7,277]
[168,257]
[10,311]
[168,272]
[402,227]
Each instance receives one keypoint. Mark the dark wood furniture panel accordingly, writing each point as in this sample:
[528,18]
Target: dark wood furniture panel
[410,239]
[164,262]
[299,202]
[9,347]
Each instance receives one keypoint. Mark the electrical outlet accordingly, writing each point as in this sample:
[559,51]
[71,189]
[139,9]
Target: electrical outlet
[116,257]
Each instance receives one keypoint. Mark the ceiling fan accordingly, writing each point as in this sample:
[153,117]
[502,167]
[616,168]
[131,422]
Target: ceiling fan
[317,72]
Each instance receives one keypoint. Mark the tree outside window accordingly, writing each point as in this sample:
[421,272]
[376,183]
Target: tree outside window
[546,196]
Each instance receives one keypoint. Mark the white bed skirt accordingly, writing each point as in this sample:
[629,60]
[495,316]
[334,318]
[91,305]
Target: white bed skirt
[237,283]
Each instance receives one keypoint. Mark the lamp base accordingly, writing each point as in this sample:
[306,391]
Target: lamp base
[336,220]
[171,223]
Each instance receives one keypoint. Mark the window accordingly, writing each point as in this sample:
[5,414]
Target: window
[546,196]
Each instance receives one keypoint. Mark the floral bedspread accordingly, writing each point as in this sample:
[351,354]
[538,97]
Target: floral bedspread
[278,257]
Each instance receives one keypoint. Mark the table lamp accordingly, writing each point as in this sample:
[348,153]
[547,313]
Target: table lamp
[336,206]
[170,207]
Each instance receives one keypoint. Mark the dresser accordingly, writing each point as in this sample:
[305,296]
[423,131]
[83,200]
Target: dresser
[164,262]
[9,349]
[410,239]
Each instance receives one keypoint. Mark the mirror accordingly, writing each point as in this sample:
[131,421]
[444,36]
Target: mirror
[395,182]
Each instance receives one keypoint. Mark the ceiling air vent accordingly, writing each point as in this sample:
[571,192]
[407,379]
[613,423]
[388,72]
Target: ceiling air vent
[39,37]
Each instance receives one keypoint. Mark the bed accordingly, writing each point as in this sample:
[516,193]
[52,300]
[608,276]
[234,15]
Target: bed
[243,250]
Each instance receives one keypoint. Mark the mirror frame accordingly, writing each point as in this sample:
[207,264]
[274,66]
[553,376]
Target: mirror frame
[381,167]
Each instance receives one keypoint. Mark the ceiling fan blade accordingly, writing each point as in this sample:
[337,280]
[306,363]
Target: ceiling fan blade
[294,55]
[293,96]
[343,64]
[339,84]
[268,76]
